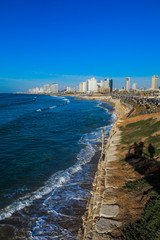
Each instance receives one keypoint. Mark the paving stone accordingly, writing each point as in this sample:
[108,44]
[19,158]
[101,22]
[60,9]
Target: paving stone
[109,210]
[104,225]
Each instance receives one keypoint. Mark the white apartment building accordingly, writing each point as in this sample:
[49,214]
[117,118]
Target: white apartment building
[81,87]
[68,89]
[54,88]
[127,86]
[100,84]
[84,87]
[155,82]
[41,90]
[134,86]
[92,85]
[46,88]
[106,83]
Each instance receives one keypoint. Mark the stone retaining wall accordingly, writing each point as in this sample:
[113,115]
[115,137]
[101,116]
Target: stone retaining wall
[102,215]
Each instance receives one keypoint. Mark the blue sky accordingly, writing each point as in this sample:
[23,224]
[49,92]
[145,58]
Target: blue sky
[68,41]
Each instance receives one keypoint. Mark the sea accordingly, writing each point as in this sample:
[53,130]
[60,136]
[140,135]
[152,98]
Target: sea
[49,151]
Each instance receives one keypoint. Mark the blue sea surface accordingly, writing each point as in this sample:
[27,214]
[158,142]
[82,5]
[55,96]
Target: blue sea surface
[47,144]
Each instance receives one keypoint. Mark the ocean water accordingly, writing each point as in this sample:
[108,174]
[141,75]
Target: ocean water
[49,149]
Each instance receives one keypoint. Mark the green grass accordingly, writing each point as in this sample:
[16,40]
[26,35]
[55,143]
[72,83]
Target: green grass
[135,132]
[148,227]
[137,185]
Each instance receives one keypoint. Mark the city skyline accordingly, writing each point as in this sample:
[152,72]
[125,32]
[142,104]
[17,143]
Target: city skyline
[93,85]
[22,85]
[68,42]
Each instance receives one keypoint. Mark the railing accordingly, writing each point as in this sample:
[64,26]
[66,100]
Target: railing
[130,106]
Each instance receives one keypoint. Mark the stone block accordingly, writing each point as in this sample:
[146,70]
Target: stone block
[109,210]
[105,225]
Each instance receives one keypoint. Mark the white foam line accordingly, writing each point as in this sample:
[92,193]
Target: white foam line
[63,98]
[52,107]
[60,214]
[55,181]
[105,109]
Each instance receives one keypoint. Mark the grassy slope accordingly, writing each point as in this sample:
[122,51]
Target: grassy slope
[149,226]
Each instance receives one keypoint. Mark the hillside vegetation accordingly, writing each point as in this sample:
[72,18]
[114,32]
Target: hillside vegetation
[141,147]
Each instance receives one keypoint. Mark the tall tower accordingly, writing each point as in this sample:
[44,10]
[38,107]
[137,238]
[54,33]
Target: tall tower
[127,87]
[155,82]
[111,84]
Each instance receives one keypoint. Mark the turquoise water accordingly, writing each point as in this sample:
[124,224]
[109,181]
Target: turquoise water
[46,153]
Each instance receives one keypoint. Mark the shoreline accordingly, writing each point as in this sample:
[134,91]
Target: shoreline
[101,213]
[30,209]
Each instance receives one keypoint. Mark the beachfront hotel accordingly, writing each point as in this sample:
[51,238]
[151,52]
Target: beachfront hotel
[155,82]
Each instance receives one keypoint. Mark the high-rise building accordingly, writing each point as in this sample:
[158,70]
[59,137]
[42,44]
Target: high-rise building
[100,84]
[106,83]
[84,87]
[46,88]
[111,85]
[92,85]
[81,87]
[155,82]
[134,86]
[68,89]
[127,87]
[54,88]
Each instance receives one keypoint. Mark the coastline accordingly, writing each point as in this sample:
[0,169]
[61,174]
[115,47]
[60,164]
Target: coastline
[102,208]
[27,213]
[126,183]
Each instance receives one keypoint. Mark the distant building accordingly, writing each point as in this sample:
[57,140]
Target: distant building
[81,87]
[111,85]
[155,82]
[68,89]
[46,88]
[54,88]
[127,86]
[41,90]
[92,85]
[104,90]
[134,86]
[84,87]
[106,83]
[100,84]
[73,89]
